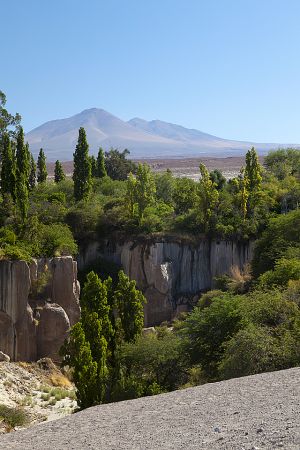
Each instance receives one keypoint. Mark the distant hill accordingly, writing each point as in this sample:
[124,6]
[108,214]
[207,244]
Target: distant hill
[144,139]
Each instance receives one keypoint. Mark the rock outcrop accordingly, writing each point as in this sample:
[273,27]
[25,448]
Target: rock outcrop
[171,273]
[38,302]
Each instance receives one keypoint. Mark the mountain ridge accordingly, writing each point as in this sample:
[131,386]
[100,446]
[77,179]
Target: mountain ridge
[144,139]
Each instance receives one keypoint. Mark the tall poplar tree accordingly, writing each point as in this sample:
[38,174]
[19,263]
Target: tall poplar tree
[253,170]
[41,166]
[8,173]
[82,175]
[101,170]
[208,195]
[59,174]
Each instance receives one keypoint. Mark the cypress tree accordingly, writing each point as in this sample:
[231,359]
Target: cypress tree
[22,156]
[101,170]
[82,175]
[59,174]
[22,196]
[22,175]
[93,166]
[32,173]
[42,169]
[130,303]
[8,174]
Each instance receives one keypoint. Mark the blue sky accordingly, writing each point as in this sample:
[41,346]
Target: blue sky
[227,67]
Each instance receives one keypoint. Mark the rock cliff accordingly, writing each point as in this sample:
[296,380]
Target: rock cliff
[171,273]
[38,302]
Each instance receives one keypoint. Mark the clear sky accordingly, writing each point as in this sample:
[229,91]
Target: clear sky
[226,67]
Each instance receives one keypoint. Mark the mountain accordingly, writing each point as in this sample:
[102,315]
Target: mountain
[144,139]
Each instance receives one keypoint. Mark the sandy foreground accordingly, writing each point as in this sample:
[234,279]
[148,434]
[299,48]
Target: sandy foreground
[256,412]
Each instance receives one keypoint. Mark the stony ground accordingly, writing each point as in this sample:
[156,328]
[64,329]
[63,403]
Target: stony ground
[257,412]
[39,389]
[188,167]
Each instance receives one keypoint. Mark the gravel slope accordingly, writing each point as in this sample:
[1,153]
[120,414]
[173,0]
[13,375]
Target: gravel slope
[256,412]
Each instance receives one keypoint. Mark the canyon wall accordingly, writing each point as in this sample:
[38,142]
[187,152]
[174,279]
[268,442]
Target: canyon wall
[171,273]
[38,303]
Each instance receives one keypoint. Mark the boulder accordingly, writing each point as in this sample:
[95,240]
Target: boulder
[52,330]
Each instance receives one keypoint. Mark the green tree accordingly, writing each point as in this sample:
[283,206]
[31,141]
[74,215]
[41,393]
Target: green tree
[282,233]
[144,188]
[131,195]
[206,330]
[253,170]
[184,195]
[130,303]
[285,269]
[283,162]
[32,172]
[59,174]
[101,170]
[217,178]
[9,123]
[22,175]
[117,166]
[8,175]
[94,299]
[41,166]
[208,196]
[77,354]
[22,156]
[82,175]
[96,338]
[165,187]
[93,166]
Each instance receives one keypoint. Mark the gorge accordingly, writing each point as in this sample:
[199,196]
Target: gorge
[39,301]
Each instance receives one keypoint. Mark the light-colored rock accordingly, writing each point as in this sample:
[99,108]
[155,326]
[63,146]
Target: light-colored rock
[65,289]
[52,330]
[149,330]
[171,273]
[4,357]
[25,290]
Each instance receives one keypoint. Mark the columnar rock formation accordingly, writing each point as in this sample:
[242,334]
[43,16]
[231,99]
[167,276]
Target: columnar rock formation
[171,273]
[38,303]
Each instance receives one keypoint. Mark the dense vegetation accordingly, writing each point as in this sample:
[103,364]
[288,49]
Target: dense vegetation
[249,324]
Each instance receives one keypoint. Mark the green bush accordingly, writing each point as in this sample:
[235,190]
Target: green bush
[282,233]
[205,331]
[252,350]
[157,361]
[284,271]
[13,417]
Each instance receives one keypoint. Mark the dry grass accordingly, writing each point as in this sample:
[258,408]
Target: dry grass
[239,279]
[59,380]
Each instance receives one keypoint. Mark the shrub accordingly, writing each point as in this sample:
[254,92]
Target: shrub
[13,417]
[205,331]
[252,350]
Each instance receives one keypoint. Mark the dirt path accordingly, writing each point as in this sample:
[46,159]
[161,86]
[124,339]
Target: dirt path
[257,412]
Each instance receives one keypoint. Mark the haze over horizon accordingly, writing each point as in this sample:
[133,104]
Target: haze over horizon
[228,68]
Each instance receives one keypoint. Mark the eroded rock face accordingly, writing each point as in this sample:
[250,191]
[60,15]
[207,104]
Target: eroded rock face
[51,331]
[29,324]
[171,274]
